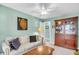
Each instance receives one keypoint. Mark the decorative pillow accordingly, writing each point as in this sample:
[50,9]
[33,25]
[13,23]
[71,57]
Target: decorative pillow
[14,44]
[33,38]
[11,46]
[8,39]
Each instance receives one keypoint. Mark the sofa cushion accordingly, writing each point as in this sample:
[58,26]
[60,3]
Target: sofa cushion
[14,44]
[24,39]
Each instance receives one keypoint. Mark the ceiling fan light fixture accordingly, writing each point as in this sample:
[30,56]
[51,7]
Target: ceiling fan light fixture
[44,12]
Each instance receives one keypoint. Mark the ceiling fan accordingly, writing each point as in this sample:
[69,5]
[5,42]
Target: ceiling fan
[44,8]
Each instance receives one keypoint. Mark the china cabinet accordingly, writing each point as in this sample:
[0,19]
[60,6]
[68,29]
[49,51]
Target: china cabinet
[66,32]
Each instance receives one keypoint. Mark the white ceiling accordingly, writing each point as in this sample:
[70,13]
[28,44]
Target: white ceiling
[55,9]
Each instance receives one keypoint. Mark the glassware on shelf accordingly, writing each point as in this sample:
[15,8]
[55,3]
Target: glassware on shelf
[70,27]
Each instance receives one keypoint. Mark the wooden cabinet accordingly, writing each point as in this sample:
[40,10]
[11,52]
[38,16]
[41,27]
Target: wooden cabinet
[66,32]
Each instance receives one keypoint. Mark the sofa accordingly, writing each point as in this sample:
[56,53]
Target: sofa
[25,45]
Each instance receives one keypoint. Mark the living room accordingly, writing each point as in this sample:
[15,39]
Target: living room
[26,21]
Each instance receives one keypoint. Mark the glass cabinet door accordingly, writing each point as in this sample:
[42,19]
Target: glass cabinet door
[59,27]
[70,27]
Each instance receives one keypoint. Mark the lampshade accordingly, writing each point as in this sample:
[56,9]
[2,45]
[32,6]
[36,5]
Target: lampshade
[40,29]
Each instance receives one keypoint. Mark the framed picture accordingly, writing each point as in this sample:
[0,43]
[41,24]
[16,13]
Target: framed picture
[22,23]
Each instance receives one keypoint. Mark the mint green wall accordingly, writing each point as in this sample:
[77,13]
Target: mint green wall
[8,24]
